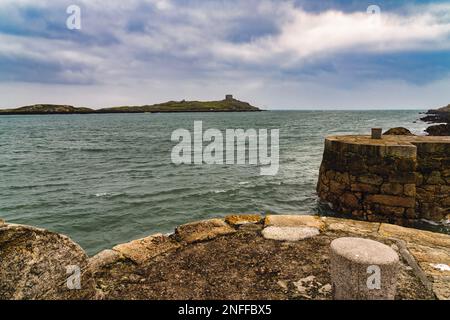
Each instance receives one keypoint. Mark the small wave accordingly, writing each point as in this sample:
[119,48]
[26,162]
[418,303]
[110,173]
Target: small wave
[244,182]
[278,183]
[45,185]
[102,194]
[220,191]
[434,223]
[93,149]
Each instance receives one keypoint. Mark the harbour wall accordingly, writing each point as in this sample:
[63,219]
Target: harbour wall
[395,179]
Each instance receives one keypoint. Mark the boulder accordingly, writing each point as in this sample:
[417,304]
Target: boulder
[398,131]
[439,130]
[39,264]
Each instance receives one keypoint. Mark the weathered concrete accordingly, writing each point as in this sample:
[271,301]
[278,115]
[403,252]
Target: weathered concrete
[240,219]
[245,265]
[202,230]
[354,261]
[293,221]
[395,179]
[142,250]
[427,248]
[289,233]
[351,226]
[213,259]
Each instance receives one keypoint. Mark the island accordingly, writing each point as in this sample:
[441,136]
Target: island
[229,104]
[441,116]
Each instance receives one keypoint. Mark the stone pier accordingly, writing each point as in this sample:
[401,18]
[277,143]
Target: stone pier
[239,257]
[394,179]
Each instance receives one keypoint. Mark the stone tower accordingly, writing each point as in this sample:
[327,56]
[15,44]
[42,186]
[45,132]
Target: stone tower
[229,97]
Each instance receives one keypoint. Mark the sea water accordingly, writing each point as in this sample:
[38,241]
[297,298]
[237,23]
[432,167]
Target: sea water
[104,179]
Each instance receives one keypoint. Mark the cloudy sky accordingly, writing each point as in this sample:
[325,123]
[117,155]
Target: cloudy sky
[275,54]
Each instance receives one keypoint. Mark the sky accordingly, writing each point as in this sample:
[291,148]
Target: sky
[275,54]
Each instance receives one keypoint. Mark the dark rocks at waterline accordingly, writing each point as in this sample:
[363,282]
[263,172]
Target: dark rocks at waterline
[398,131]
[441,115]
[436,118]
[439,130]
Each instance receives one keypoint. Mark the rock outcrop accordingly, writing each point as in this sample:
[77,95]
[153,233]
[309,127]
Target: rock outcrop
[395,179]
[439,130]
[39,264]
[398,131]
[441,116]
[438,115]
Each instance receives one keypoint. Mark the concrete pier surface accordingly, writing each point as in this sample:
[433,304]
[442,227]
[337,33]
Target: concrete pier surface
[236,257]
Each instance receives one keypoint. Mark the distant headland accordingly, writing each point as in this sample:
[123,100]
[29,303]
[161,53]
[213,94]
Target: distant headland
[438,115]
[441,116]
[229,104]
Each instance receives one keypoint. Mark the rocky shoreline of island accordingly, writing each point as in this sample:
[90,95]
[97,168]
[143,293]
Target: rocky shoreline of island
[229,104]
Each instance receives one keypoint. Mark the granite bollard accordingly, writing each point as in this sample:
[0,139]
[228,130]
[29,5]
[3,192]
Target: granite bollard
[363,269]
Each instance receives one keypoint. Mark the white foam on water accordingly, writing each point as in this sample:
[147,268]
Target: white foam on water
[434,223]
[102,194]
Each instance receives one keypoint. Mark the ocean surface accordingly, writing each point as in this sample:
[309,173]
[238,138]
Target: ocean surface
[108,179]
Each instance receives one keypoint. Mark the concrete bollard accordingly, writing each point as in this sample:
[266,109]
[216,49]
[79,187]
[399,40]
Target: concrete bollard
[363,269]
[377,133]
